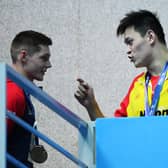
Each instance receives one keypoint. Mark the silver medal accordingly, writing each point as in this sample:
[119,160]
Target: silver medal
[38,154]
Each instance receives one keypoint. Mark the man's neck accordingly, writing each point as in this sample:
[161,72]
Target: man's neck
[156,69]
[159,60]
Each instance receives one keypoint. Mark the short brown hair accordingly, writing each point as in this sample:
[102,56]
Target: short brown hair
[29,40]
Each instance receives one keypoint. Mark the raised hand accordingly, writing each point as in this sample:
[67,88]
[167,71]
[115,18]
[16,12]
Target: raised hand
[85,96]
[84,93]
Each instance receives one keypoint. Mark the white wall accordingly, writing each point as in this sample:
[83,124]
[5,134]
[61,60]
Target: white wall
[84,45]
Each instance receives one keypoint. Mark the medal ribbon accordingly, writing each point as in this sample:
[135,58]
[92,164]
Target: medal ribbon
[150,110]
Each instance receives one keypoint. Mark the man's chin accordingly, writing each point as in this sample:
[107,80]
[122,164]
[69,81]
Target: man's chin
[138,65]
[40,78]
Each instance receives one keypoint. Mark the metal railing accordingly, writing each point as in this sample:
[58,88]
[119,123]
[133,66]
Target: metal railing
[69,116]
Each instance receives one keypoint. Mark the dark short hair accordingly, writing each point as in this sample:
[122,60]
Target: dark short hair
[142,21]
[30,41]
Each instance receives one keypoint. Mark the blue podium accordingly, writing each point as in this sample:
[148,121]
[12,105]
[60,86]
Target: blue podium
[132,142]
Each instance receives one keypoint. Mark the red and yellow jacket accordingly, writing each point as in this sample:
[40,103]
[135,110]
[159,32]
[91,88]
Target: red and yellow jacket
[133,105]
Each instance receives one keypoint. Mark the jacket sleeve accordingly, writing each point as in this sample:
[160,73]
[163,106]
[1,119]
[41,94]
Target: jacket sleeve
[122,111]
[16,104]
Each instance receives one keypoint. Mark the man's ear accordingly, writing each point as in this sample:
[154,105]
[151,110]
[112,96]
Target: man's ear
[23,55]
[151,36]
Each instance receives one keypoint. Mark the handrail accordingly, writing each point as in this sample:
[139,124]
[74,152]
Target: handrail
[3,115]
[47,100]
[45,139]
[51,103]
[17,163]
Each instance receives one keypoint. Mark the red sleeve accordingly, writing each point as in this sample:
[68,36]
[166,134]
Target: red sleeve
[122,111]
[15,103]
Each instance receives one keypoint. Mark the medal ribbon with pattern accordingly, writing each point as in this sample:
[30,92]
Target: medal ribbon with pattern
[150,110]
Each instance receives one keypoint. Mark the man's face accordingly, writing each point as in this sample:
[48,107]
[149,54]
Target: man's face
[139,49]
[37,64]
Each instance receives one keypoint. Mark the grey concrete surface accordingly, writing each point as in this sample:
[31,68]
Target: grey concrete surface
[84,45]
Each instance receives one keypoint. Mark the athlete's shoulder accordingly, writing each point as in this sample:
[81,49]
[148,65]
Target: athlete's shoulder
[14,90]
[139,77]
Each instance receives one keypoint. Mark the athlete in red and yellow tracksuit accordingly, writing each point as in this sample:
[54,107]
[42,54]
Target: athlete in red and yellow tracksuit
[133,105]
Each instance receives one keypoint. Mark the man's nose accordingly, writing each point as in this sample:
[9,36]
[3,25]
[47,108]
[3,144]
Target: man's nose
[48,65]
[129,49]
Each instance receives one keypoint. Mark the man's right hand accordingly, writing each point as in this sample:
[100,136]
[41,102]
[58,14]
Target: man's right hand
[85,96]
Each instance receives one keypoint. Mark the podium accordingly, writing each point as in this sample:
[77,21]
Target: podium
[132,142]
